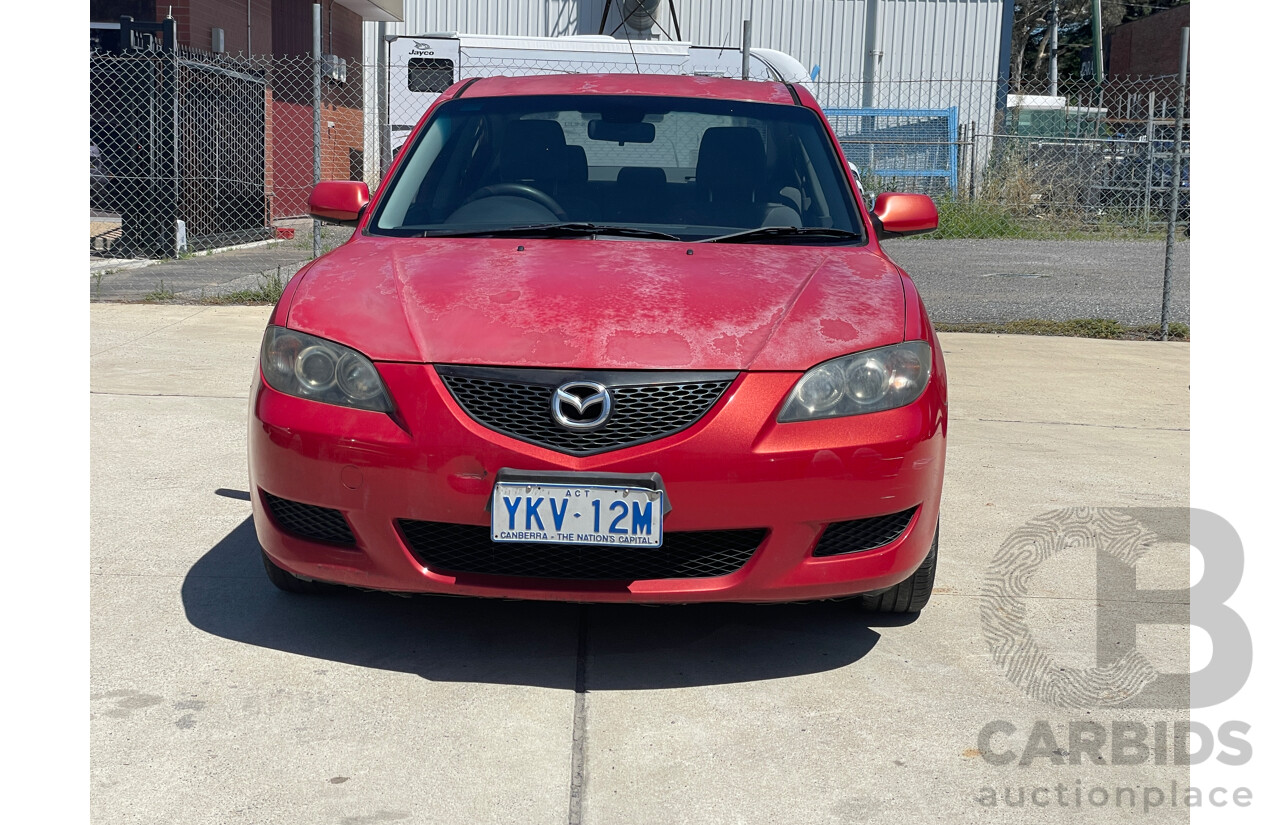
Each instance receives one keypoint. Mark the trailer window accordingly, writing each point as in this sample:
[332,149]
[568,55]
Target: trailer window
[430,74]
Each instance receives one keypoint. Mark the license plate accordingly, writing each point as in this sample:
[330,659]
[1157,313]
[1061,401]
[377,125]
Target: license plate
[576,514]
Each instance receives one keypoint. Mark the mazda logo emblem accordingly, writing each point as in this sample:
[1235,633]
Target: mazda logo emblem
[581,405]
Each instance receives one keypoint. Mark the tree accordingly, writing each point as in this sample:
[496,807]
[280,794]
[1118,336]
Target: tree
[1029,55]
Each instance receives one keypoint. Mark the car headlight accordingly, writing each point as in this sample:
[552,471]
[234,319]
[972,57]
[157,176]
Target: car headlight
[309,367]
[871,381]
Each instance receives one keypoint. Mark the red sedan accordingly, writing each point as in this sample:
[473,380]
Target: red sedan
[612,338]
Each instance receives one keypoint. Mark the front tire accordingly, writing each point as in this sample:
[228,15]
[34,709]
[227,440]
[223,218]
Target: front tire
[290,583]
[909,596]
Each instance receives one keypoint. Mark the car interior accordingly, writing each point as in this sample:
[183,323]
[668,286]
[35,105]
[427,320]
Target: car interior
[622,167]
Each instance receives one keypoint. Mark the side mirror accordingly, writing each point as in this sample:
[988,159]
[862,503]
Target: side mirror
[338,201]
[897,214]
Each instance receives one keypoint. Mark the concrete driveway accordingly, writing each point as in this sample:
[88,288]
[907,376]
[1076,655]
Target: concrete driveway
[215,699]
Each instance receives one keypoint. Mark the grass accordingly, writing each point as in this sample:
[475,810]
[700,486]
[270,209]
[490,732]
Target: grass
[1075,328]
[983,219]
[331,237]
[160,293]
[1021,200]
[268,291]
[977,219]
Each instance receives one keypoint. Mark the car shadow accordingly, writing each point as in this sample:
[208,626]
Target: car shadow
[628,647]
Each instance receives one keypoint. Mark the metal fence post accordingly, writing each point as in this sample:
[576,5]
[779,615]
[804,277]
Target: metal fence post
[169,180]
[1053,48]
[973,162]
[1151,159]
[1175,184]
[384,101]
[316,60]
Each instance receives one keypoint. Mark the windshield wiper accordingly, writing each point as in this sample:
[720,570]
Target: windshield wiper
[779,232]
[553,230]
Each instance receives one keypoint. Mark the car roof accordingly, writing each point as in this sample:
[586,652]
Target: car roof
[632,84]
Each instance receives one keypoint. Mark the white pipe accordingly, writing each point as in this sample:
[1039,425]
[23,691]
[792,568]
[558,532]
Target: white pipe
[871,62]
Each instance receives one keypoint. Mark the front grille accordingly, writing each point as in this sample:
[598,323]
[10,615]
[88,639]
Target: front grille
[646,405]
[307,521]
[464,548]
[862,534]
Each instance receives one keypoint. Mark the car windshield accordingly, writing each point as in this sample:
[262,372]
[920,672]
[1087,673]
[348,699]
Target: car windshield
[634,167]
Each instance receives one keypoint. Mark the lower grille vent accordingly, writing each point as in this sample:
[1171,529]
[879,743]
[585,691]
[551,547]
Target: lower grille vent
[862,534]
[462,548]
[307,521]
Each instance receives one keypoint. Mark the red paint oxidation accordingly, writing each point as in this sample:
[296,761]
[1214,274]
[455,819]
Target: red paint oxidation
[660,349]
[622,305]
[839,330]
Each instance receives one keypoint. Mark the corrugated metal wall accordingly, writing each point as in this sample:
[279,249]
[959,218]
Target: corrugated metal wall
[921,39]
[950,39]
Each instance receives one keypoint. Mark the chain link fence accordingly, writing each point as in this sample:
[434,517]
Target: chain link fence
[192,151]
[1079,160]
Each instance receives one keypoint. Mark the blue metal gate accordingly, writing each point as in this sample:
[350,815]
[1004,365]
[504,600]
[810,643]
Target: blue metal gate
[909,148]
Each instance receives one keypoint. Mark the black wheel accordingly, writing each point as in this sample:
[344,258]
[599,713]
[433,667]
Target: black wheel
[520,190]
[909,596]
[290,583]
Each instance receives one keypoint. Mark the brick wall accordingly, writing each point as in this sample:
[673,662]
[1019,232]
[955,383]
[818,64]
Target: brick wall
[340,29]
[262,26]
[280,27]
[290,158]
[1149,47]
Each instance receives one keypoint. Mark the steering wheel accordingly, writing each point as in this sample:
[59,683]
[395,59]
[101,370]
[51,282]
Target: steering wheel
[520,190]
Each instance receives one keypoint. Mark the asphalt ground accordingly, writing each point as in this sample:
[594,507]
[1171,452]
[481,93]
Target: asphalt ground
[961,281]
[215,698]
[209,274]
[966,281]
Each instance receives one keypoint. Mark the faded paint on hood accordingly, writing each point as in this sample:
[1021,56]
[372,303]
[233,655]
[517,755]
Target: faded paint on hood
[600,304]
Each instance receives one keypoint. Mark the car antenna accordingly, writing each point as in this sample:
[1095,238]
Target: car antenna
[623,24]
[633,53]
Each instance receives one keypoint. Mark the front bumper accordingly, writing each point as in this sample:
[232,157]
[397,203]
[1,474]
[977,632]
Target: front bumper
[736,469]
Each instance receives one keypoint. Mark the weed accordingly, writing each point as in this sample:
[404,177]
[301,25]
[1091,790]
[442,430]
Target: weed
[1047,196]
[160,293]
[978,219]
[331,237]
[268,291]
[1075,328]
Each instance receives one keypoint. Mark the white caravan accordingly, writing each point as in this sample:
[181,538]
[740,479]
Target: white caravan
[420,67]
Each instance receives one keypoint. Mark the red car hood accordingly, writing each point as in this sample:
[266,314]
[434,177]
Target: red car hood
[601,304]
